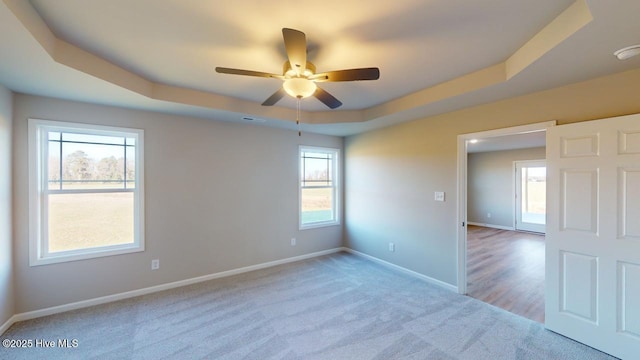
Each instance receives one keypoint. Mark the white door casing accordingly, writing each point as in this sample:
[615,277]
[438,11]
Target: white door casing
[592,289]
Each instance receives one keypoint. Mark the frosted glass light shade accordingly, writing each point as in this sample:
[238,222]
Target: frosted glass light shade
[299,87]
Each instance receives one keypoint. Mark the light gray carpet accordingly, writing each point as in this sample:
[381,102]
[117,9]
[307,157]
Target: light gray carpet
[333,307]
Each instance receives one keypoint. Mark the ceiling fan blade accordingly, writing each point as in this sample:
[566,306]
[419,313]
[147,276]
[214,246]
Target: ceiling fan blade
[275,97]
[327,98]
[295,43]
[231,71]
[348,75]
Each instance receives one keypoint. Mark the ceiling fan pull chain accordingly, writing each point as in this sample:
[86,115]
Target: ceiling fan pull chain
[298,115]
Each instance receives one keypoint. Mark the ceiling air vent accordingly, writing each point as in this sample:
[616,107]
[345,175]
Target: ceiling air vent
[253,119]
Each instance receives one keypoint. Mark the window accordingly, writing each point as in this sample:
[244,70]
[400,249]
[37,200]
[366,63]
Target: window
[318,187]
[85,191]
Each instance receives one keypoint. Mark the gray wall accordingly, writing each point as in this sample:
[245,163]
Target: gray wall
[6,245]
[490,185]
[391,176]
[218,196]
[239,206]
[392,173]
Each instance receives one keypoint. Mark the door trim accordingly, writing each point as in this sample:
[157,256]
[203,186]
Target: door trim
[462,189]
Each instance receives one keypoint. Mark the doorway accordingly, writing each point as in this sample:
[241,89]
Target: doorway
[463,142]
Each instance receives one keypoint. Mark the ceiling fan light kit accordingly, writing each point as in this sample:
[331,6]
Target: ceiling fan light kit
[628,52]
[299,76]
[299,87]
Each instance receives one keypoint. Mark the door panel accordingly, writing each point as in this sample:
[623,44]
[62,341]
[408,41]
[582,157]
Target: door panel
[629,202]
[629,293]
[579,200]
[580,285]
[592,291]
[580,146]
[629,142]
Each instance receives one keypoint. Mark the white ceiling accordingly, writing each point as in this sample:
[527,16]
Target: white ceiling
[56,48]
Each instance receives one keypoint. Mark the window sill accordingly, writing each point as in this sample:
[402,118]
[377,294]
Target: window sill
[84,255]
[318,225]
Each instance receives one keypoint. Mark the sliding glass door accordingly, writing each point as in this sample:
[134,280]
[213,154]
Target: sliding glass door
[531,190]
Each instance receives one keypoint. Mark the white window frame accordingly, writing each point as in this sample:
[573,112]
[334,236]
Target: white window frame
[38,192]
[336,186]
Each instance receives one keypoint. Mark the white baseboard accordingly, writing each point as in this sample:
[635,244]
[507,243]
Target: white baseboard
[7,324]
[404,270]
[129,294]
[492,226]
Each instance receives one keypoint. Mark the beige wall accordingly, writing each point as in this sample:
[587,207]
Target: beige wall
[490,185]
[6,245]
[218,196]
[392,173]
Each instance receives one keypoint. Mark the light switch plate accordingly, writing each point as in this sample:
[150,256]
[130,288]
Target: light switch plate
[439,196]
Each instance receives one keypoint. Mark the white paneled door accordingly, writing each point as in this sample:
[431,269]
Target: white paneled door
[593,234]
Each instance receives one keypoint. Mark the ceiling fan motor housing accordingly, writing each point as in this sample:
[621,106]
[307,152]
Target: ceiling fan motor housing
[288,72]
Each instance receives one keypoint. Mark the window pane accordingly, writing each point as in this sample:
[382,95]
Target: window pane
[53,166]
[92,166]
[81,221]
[317,169]
[101,139]
[317,205]
[131,167]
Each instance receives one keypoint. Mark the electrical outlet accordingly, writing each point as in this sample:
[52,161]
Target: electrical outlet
[155,264]
[438,196]
[392,247]
[489,215]
[293,241]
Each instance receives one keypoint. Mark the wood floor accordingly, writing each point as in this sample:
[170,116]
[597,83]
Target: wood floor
[506,269]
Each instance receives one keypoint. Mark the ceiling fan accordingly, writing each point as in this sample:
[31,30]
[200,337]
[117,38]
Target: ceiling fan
[299,75]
